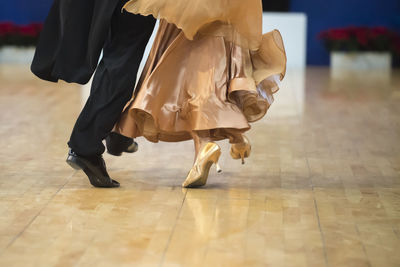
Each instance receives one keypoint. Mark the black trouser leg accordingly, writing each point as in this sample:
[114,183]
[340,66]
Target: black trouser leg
[113,83]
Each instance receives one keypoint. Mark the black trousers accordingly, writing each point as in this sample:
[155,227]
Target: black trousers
[113,82]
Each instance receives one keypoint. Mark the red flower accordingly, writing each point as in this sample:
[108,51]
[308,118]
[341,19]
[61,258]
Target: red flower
[352,30]
[28,30]
[379,31]
[7,28]
[362,36]
[361,39]
[339,34]
[38,27]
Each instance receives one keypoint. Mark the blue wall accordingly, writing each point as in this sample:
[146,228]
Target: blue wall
[24,11]
[325,14]
[322,14]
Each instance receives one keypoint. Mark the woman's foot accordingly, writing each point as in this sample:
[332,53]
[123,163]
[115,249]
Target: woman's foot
[206,157]
[241,150]
[117,144]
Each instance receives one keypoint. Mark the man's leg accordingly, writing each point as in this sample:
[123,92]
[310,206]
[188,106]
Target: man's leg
[113,82]
[112,88]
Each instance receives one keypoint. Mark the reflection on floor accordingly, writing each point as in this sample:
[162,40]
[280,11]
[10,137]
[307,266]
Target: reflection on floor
[322,187]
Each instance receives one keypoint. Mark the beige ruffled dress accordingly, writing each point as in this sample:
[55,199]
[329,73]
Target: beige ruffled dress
[210,70]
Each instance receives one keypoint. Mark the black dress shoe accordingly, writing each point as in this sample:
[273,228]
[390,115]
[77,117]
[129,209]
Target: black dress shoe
[117,144]
[94,167]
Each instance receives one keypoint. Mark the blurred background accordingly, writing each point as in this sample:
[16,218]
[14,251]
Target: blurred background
[321,15]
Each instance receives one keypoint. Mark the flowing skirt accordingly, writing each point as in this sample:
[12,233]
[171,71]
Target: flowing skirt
[209,84]
[239,21]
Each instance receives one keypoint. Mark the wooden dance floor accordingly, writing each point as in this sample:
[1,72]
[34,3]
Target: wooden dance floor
[322,187]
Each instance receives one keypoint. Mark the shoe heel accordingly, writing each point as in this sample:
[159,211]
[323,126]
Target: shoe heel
[219,169]
[242,156]
[216,160]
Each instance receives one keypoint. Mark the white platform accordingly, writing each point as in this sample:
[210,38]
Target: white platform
[16,55]
[293,27]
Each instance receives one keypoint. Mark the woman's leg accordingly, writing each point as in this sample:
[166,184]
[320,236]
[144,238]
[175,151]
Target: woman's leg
[200,138]
[237,139]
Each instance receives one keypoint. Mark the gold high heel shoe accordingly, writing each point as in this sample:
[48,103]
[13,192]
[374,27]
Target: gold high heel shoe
[241,150]
[208,156]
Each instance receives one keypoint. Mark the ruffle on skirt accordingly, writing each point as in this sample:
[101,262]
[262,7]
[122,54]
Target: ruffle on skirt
[238,21]
[208,85]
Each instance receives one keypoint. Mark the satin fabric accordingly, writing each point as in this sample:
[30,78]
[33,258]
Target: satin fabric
[238,21]
[208,84]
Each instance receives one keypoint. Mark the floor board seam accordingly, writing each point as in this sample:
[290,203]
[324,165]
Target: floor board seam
[396,233]
[362,244]
[317,214]
[320,229]
[173,230]
[213,221]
